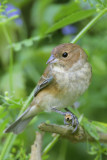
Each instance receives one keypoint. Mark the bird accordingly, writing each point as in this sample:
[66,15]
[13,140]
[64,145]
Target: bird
[66,77]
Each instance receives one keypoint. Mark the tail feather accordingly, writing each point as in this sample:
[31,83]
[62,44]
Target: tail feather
[19,125]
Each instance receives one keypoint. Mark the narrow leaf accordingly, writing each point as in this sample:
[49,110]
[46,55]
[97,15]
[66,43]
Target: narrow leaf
[66,10]
[101,126]
[91,129]
[75,17]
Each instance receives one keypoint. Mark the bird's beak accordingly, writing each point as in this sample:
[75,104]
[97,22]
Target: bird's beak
[52,59]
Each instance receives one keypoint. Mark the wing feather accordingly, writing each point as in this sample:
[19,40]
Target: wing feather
[44,81]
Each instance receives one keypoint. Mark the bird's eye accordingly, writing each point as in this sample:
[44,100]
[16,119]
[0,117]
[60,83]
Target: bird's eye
[65,54]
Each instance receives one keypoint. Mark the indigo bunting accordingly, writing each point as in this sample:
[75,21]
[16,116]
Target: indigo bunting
[66,77]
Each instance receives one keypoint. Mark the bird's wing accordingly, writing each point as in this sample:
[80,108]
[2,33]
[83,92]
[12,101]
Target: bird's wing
[44,81]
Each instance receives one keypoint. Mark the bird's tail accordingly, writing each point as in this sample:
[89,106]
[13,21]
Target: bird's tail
[19,125]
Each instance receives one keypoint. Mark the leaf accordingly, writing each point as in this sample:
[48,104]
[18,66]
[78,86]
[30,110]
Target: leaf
[68,20]
[101,126]
[3,119]
[27,43]
[6,20]
[66,10]
[75,17]
[90,128]
[98,157]
[45,157]
[92,152]
[80,118]
[16,46]
[101,2]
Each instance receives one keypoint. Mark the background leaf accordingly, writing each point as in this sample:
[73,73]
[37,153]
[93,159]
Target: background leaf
[90,128]
[73,18]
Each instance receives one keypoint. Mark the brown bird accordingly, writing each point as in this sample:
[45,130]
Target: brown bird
[66,77]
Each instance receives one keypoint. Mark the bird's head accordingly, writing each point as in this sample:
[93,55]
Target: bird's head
[67,55]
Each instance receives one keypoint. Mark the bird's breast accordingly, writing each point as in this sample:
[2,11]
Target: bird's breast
[66,87]
[72,83]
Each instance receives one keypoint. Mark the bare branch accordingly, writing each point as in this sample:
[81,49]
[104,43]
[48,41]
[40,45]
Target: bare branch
[36,147]
[66,132]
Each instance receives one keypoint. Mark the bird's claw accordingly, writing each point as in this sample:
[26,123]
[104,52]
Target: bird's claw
[71,119]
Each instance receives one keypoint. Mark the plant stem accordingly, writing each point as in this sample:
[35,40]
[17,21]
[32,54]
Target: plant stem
[63,150]
[7,147]
[11,58]
[89,25]
[50,145]
[11,138]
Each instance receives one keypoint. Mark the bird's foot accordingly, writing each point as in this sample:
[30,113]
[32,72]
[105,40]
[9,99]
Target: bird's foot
[69,118]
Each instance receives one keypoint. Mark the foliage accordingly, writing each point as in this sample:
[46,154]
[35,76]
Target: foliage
[28,32]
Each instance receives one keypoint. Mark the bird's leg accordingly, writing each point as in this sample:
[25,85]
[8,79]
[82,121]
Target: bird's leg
[69,118]
[60,112]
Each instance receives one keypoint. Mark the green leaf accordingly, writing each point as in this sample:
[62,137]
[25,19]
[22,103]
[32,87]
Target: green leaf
[45,157]
[27,43]
[92,152]
[6,20]
[98,157]
[101,2]
[66,10]
[75,17]
[101,126]
[16,46]
[12,10]
[90,128]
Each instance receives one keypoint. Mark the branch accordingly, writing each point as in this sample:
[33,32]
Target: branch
[66,132]
[36,147]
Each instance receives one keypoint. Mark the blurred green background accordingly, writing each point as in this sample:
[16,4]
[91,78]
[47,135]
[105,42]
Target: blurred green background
[25,46]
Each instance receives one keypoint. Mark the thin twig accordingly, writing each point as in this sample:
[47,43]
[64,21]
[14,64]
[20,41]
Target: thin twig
[66,132]
[37,147]
[89,25]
